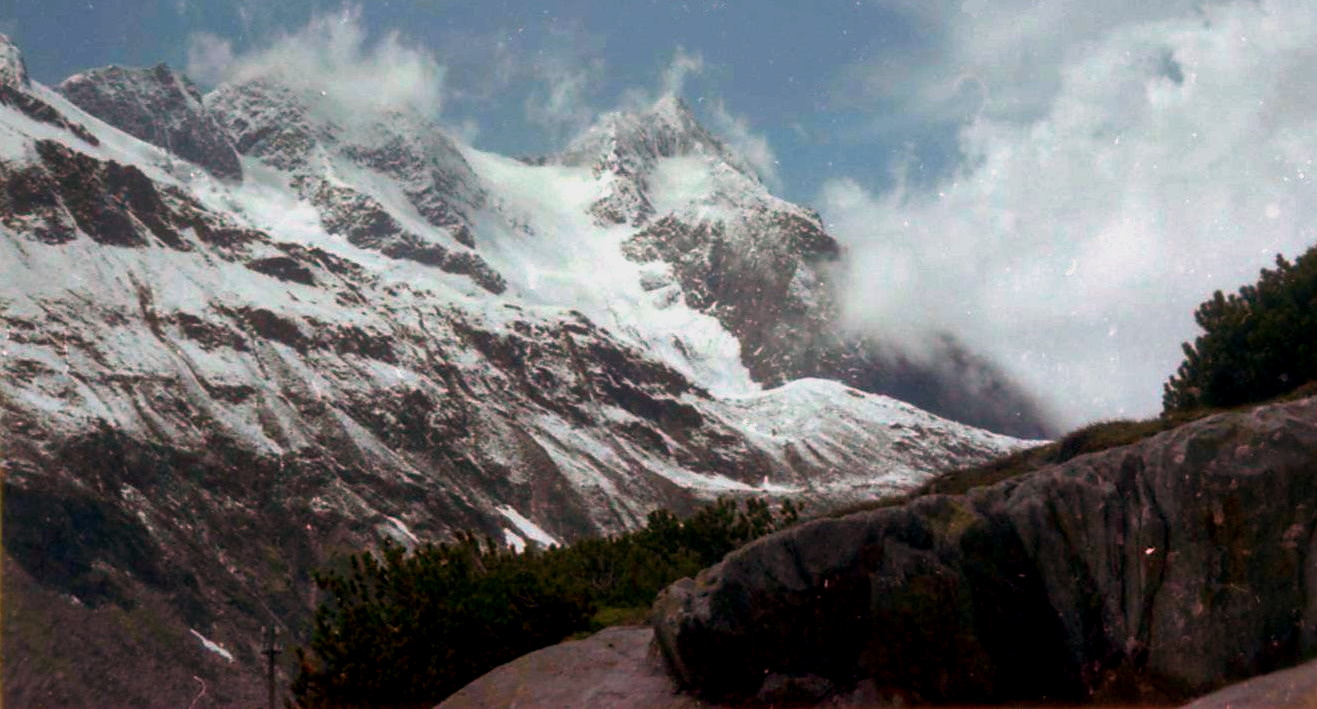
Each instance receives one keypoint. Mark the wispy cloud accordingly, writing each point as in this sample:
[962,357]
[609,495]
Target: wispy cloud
[1003,58]
[752,147]
[683,65]
[565,71]
[333,57]
[733,129]
[552,71]
[209,58]
[1164,159]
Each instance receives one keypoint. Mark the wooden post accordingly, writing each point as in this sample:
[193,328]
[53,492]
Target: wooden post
[270,652]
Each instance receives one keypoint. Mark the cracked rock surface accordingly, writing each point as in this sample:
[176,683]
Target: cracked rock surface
[1151,572]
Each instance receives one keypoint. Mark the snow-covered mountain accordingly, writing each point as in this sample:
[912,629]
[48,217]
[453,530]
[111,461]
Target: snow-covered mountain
[243,333]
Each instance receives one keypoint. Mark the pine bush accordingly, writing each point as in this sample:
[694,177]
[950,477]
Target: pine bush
[399,629]
[1256,345]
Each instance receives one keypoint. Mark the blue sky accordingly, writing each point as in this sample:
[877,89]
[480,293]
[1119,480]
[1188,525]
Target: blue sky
[1058,182]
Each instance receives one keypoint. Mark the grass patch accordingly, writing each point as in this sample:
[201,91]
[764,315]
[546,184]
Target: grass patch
[610,616]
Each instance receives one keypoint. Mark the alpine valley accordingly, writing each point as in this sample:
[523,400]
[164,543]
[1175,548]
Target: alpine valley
[244,334]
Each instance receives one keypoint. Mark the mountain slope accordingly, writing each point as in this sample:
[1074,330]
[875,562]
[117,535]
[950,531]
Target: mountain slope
[213,381]
[763,268]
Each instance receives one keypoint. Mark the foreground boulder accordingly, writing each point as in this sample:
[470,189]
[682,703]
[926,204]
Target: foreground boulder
[613,668]
[1151,572]
[1293,688]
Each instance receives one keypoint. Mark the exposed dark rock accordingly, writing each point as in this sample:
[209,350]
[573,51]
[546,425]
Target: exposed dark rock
[435,177]
[160,107]
[13,70]
[366,224]
[469,263]
[345,212]
[210,335]
[110,202]
[16,91]
[1145,573]
[350,339]
[283,268]
[332,263]
[30,204]
[271,326]
[267,121]
[42,112]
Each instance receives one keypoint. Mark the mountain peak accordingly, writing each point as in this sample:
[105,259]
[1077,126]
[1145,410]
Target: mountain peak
[673,110]
[159,106]
[13,72]
[667,128]
[630,144]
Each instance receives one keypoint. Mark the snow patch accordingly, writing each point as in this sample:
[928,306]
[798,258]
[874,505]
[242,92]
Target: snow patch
[213,646]
[514,540]
[527,527]
[544,241]
[400,532]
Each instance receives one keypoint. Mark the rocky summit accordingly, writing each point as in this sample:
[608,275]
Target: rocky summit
[160,107]
[1147,574]
[247,332]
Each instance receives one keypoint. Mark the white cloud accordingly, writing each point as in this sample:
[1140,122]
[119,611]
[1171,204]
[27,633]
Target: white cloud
[468,130]
[553,70]
[1170,157]
[672,80]
[1003,58]
[332,56]
[751,146]
[209,58]
[684,64]
[566,70]
[562,105]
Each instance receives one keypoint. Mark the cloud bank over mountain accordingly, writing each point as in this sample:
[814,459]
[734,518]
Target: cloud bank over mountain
[1100,199]
[334,56]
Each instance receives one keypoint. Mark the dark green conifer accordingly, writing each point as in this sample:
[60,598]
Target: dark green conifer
[1255,345]
[400,629]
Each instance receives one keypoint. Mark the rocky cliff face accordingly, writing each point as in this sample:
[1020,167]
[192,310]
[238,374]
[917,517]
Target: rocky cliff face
[160,107]
[211,386]
[1153,571]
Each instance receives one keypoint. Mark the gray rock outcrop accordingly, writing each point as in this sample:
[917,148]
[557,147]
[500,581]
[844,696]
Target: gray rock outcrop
[613,668]
[13,70]
[159,106]
[1293,688]
[1156,571]
[16,92]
